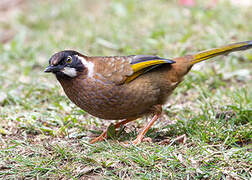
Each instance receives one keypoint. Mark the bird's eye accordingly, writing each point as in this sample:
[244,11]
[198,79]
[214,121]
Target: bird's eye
[69,59]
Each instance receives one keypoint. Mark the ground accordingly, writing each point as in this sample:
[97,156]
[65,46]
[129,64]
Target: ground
[205,131]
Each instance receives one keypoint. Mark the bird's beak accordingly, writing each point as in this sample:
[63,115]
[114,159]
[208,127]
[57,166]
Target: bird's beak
[51,69]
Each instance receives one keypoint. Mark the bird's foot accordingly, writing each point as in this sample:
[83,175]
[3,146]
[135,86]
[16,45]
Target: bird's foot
[137,141]
[104,134]
[99,138]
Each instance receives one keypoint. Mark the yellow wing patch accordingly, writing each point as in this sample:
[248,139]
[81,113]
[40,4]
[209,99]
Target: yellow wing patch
[134,76]
[142,67]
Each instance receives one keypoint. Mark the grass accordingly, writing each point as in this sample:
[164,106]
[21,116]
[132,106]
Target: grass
[43,135]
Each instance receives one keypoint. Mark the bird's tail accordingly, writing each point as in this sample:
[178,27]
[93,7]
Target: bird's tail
[204,55]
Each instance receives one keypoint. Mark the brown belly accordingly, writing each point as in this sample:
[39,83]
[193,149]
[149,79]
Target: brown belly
[110,101]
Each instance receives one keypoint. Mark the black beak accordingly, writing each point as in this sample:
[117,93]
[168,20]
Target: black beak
[51,69]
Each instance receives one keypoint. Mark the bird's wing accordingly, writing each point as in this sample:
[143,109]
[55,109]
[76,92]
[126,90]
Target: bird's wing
[124,69]
[144,63]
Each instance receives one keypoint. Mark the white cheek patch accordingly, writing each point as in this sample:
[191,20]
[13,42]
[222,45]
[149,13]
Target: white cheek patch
[71,72]
[89,65]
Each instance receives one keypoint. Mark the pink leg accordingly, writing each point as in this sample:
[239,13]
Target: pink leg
[141,135]
[104,134]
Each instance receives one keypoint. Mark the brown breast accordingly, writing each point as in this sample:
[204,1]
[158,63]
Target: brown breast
[110,101]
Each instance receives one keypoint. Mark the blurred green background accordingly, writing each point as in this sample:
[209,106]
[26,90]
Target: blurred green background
[42,134]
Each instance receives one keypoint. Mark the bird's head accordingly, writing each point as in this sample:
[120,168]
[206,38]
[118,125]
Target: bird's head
[68,64]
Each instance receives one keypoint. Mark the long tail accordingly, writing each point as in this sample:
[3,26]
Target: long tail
[201,56]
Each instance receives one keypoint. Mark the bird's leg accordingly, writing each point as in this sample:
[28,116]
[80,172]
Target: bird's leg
[104,134]
[140,136]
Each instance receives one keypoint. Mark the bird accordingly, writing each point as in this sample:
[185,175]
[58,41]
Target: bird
[126,87]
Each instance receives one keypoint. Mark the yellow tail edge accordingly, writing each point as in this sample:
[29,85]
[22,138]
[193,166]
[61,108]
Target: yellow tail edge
[204,55]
